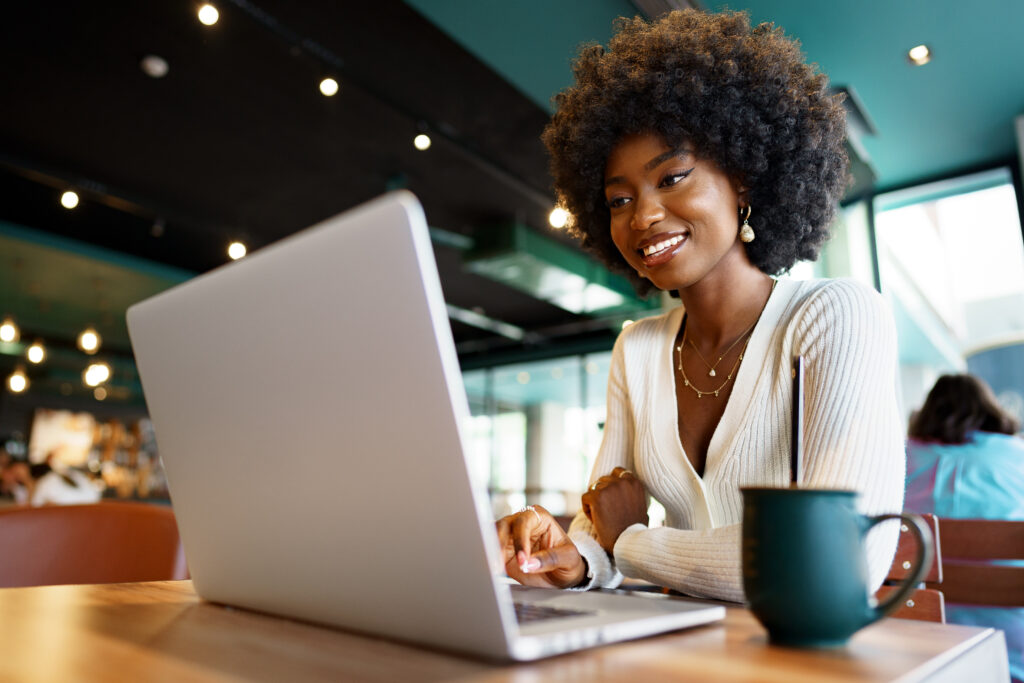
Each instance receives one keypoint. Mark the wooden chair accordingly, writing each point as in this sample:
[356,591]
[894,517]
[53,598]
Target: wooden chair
[967,575]
[924,604]
[102,543]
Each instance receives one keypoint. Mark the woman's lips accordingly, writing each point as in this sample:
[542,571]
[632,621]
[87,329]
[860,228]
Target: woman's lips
[657,251]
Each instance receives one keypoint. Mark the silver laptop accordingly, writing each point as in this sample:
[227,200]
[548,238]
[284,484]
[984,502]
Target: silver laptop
[308,407]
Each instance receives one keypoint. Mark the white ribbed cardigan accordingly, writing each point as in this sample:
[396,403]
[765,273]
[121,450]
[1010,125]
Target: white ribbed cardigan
[853,435]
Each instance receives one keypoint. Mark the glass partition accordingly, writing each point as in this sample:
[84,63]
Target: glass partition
[951,262]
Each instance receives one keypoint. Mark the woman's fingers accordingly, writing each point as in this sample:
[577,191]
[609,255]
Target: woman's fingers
[562,557]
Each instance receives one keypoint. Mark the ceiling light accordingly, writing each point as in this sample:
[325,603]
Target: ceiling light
[36,353]
[69,199]
[89,341]
[236,250]
[96,374]
[100,393]
[154,66]
[17,382]
[920,55]
[208,15]
[329,87]
[9,331]
[421,142]
[558,217]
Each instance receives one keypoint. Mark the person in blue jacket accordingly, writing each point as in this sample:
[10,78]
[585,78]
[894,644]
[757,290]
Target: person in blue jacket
[964,461]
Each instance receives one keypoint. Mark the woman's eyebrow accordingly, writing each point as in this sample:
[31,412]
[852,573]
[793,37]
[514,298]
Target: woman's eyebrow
[652,164]
[665,156]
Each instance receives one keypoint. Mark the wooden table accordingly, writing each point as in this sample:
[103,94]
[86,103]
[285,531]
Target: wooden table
[162,631]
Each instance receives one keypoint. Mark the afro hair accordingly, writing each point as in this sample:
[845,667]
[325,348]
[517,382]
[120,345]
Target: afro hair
[742,97]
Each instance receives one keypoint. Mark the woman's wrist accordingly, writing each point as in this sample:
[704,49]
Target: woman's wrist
[585,579]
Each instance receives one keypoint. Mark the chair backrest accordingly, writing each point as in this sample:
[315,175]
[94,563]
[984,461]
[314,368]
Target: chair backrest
[969,546]
[924,604]
[101,543]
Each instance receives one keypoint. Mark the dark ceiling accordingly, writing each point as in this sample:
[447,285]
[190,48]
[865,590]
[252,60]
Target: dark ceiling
[237,142]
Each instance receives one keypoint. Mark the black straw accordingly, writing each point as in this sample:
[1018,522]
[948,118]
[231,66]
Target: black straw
[797,444]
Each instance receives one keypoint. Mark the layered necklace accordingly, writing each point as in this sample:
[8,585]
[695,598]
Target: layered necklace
[711,367]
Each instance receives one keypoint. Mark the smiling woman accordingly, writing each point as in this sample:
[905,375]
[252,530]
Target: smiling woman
[701,157]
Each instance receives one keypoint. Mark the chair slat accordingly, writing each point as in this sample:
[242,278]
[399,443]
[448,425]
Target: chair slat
[924,604]
[978,539]
[906,550]
[983,584]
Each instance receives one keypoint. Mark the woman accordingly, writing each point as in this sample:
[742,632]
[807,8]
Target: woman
[700,157]
[962,458]
[963,461]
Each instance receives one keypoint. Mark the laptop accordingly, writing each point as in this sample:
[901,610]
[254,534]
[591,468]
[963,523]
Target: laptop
[309,410]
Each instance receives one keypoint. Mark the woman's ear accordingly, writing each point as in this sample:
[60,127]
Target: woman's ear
[742,192]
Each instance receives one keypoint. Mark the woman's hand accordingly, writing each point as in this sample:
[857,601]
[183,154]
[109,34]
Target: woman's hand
[614,502]
[537,552]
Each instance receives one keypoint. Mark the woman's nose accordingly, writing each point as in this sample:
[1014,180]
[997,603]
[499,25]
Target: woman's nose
[648,212]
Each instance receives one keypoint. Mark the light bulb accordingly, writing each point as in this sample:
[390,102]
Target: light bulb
[920,55]
[69,199]
[329,87]
[421,142]
[236,250]
[9,331]
[96,374]
[558,217]
[36,353]
[208,15]
[89,341]
[17,382]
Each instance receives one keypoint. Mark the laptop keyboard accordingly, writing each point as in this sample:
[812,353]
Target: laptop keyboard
[529,613]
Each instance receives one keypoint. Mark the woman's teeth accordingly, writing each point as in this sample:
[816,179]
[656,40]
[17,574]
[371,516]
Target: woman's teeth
[662,246]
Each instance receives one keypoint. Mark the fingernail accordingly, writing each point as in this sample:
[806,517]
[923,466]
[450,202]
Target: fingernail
[530,565]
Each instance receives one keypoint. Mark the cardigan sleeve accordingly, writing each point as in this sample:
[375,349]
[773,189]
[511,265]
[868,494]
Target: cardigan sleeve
[616,451]
[853,430]
[853,440]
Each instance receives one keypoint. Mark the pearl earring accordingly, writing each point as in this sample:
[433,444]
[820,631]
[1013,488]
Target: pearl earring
[746,232]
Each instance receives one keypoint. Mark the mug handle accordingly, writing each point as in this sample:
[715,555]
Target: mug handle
[922,562]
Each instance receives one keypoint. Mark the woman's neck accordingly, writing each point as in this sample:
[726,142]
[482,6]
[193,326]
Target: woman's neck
[719,311]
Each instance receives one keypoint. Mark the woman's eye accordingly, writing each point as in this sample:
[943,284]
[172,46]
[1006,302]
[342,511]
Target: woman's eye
[673,178]
[616,202]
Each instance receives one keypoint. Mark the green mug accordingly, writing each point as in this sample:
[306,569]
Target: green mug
[804,568]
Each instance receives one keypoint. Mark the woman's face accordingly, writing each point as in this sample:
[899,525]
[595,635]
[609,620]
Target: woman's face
[674,217]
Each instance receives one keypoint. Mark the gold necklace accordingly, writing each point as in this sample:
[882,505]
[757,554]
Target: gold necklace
[711,367]
[686,380]
[679,349]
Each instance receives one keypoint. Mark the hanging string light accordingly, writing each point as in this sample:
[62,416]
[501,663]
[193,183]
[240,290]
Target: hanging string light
[9,332]
[96,374]
[89,340]
[36,353]
[17,382]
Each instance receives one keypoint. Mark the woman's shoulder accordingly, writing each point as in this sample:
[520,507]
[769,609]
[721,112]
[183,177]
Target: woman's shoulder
[840,303]
[993,441]
[836,294]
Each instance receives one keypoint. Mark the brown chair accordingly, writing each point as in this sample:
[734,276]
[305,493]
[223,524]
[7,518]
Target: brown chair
[968,576]
[924,604]
[103,543]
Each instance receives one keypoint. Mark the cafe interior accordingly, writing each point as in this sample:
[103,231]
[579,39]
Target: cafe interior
[144,144]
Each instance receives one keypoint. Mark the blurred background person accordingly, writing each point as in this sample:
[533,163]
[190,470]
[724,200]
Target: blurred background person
[15,479]
[964,461]
[59,485]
